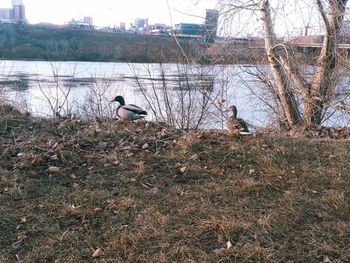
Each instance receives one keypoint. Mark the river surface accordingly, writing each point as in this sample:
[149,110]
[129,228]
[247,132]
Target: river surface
[186,95]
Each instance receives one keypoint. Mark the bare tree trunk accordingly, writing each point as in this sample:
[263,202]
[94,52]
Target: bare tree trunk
[322,87]
[284,92]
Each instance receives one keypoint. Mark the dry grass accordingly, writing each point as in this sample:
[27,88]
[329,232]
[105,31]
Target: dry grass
[146,193]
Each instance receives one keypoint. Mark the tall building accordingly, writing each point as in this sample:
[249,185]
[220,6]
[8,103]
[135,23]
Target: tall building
[211,24]
[141,23]
[18,11]
[88,20]
[122,27]
[14,14]
[5,13]
[206,32]
[212,17]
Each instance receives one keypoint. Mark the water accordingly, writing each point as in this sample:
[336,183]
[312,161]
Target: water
[196,94]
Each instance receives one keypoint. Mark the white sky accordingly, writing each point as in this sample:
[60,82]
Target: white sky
[112,12]
[290,15]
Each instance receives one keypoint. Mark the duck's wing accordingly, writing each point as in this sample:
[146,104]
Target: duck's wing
[131,112]
[242,126]
[238,124]
[135,109]
[127,114]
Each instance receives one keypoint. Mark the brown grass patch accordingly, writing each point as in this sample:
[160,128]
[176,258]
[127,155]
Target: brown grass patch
[257,199]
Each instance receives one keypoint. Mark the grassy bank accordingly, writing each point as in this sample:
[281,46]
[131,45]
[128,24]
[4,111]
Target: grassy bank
[72,191]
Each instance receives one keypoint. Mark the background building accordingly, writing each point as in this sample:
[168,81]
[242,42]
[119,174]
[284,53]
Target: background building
[141,23]
[15,14]
[211,24]
[18,11]
[122,27]
[189,29]
[5,13]
[159,29]
[207,31]
[88,20]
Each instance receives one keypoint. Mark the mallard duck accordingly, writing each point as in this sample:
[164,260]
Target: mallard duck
[236,126]
[129,112]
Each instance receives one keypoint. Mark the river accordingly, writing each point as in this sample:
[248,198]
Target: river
[195,96]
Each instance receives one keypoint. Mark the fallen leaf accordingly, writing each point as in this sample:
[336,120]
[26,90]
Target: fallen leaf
[233,147]
[55,145]
[17,245]
[97,253]
[49,144]
[102,145]
[54,157]
[228,245]
[36,159]
[218,170]
[140,165]
[183,169]
[218,250]
[53,169]
[154,190]
[97,209]
[251,171]
[194,157]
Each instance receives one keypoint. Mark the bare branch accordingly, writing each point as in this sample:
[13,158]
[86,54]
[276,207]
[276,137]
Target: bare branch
[323,15]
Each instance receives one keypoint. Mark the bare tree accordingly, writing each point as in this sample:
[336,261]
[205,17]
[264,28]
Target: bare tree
[303,99]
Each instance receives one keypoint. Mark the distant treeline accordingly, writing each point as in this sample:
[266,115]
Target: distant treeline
[53,43]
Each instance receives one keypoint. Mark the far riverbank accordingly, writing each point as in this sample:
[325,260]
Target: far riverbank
[57,43]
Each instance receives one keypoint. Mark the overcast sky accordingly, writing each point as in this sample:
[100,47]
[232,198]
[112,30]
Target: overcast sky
[291,16]
[112,12]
